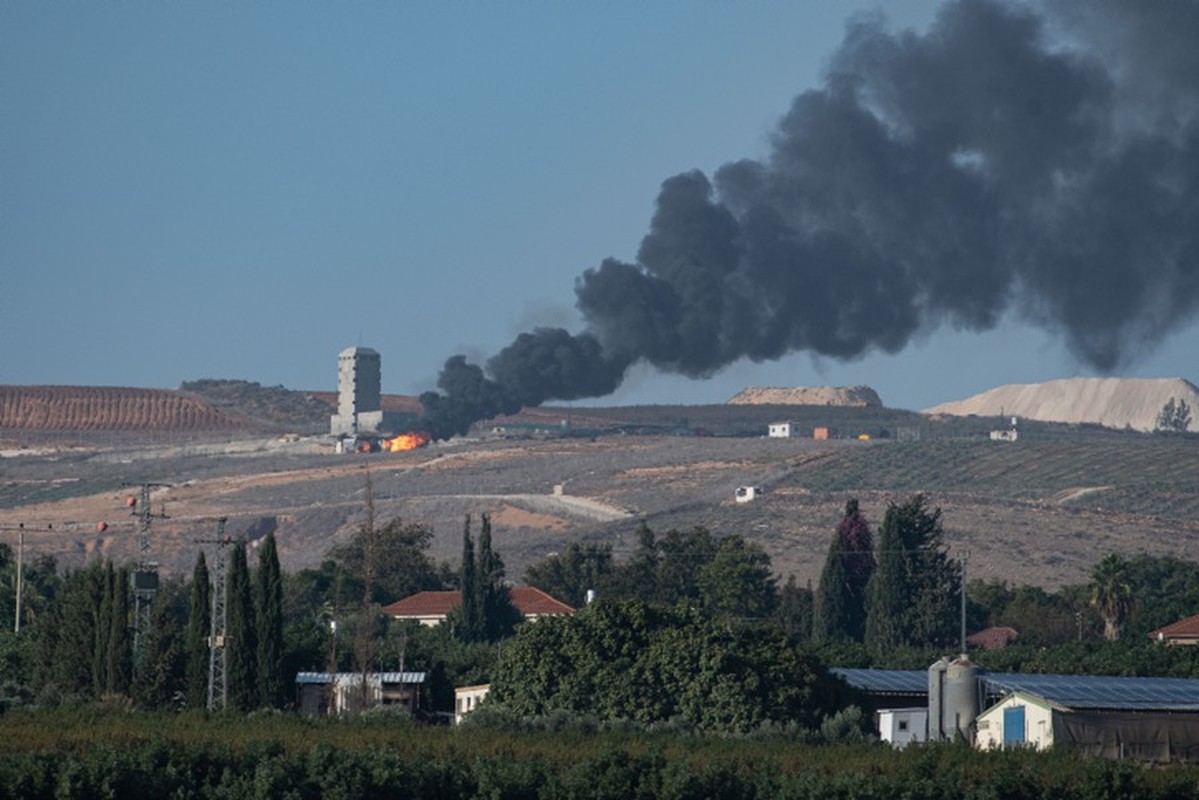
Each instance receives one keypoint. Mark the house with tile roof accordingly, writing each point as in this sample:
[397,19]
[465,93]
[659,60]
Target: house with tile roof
[432,608]
[1185,631]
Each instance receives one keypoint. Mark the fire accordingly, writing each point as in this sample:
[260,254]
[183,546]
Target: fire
[406,441]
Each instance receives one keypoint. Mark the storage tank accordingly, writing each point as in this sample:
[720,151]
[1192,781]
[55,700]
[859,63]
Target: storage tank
[936,701]
[960,701]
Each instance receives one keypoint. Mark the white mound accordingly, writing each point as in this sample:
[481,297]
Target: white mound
[1113,402]
[858,396]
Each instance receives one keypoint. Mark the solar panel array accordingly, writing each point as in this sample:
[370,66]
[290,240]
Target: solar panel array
[885,681]
[1071,691]
[1102,691]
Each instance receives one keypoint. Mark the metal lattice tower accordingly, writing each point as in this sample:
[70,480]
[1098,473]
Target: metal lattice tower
[145,574]
[218,655]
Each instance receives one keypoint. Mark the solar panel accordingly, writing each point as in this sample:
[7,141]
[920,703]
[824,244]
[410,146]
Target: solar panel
[1071,691]
[1102,691]
[885,681]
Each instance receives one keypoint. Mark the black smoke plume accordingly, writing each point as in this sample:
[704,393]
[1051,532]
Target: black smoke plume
[1036,162]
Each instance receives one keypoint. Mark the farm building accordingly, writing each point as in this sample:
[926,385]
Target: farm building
[780,430]
[342,692]
[1149,719]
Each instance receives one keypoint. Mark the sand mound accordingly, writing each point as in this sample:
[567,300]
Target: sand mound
[1113,402]
[858,396]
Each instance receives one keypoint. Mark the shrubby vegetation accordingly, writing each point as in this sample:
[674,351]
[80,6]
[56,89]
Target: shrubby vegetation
[110,753]
[694,674]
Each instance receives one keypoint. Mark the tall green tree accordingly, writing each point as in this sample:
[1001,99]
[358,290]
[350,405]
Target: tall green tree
[569,575]
[68,635]
[101,682]
[795,609]
[469,619]
[199,628]
[1111,594]
[120,637]
[832,615]
[499,616]
[240,642]
[159,675]
[840,612]
[400,561]
[737,581]
[272,686]
[913,597]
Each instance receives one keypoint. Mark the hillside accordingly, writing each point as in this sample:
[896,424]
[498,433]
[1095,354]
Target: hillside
[1112,402]
[807,396]
[108,408]
[1042,510]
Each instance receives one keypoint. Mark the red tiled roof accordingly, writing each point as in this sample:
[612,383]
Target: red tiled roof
[1185,628]
[529,601]
[424,604]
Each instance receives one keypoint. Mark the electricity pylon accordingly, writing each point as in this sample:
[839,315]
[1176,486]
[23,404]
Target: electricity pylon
[218,655]
[145,573]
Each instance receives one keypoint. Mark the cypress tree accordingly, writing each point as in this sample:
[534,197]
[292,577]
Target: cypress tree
[497,615]
[100,656]
[120,640]
[241,645]
[469,629]
[841,593]
[831,620]
[199,628]
[269,582]
[69,651]
[887,594]
[161,669]
[912,598]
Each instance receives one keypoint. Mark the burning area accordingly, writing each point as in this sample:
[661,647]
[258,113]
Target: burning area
[405,441]
[1039,162]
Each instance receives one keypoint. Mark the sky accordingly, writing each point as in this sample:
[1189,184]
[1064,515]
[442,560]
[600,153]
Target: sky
[238,190]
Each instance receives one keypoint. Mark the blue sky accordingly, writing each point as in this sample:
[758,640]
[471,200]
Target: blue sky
[241,190]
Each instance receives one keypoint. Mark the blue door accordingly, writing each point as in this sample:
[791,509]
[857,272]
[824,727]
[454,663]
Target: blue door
[1013,726]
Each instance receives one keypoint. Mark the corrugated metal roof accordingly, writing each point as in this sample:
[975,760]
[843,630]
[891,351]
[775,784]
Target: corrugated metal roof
[1072,691]
[384,677]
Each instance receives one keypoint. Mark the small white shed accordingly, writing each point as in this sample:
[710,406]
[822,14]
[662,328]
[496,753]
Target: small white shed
[780,430]
[746,493]
[901,726]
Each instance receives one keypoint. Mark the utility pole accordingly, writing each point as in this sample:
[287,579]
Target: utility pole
[145,573]
[20,531]
[218,654]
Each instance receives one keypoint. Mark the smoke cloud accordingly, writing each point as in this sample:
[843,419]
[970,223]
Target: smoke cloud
[1035,162]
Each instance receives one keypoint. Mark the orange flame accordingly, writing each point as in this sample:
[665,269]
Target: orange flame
[406,441]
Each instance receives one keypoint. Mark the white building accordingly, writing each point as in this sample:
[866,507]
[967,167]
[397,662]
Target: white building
[746,493]
[467,699]
[902,726]
[1020,719]
[780,430]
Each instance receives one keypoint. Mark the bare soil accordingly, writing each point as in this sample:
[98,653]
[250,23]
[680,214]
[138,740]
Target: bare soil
[1043,514]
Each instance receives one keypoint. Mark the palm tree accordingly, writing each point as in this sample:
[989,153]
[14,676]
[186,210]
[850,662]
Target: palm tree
[1111,594]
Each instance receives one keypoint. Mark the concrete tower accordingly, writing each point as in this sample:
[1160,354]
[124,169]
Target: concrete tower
[358,390]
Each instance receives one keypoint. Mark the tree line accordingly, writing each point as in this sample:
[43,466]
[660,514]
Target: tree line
[889,598]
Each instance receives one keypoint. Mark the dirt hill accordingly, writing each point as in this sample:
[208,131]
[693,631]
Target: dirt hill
[109,408]
[1112,402]
[855,396]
